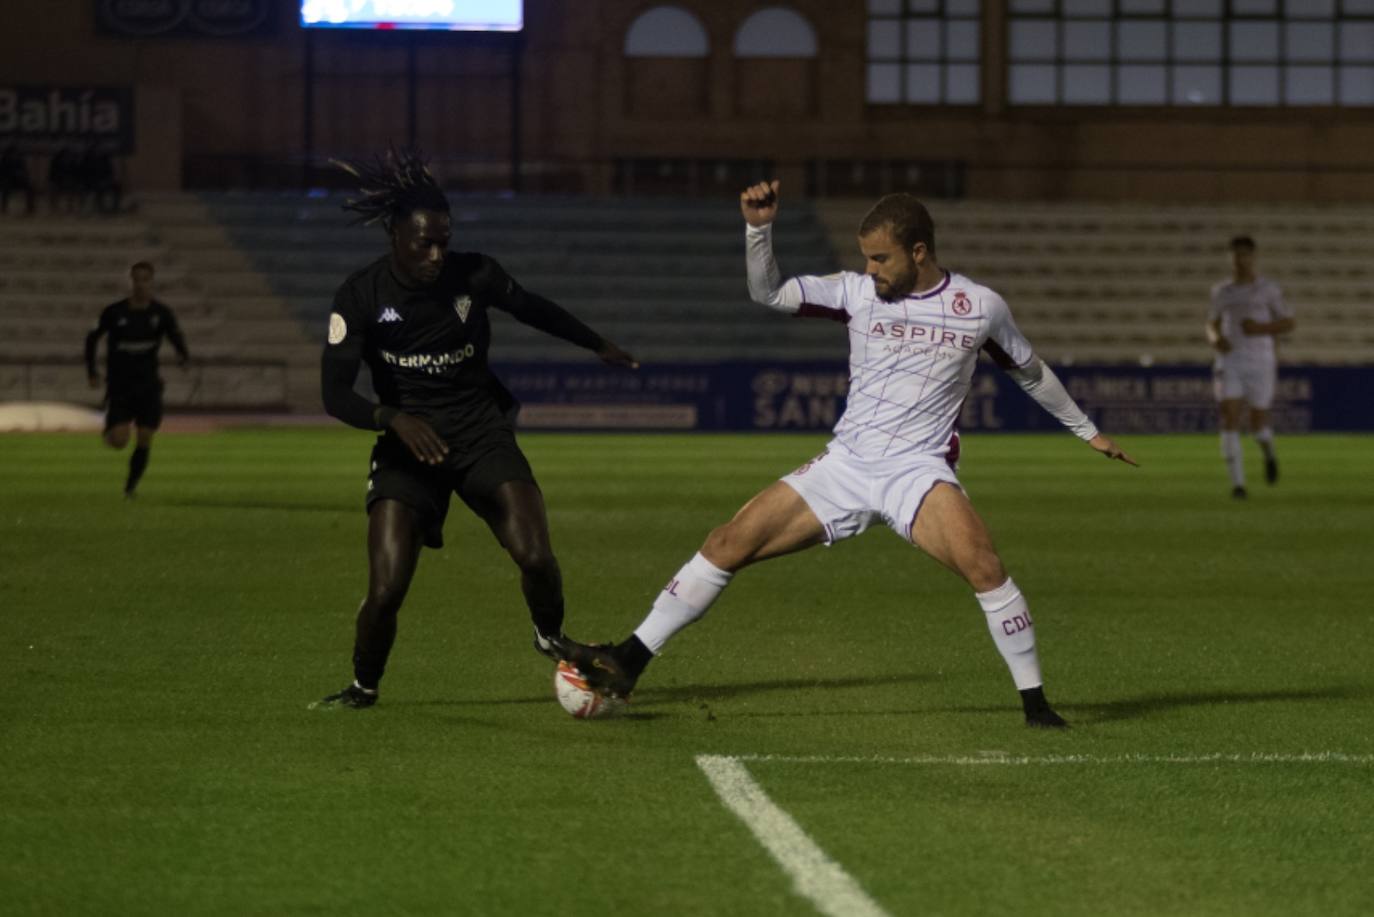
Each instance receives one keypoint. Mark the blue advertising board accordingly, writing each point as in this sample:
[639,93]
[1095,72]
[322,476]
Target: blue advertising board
[788,396]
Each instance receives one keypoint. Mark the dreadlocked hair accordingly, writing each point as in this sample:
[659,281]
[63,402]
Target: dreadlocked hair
[393,185]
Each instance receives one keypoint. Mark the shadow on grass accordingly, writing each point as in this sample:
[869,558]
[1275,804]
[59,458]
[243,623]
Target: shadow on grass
[682,693]
[695,693]
[1147,705]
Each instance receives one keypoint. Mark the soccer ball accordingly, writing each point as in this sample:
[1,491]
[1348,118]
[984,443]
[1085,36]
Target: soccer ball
[578,698]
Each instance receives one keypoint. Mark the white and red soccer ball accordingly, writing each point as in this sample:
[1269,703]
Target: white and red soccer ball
[579,698]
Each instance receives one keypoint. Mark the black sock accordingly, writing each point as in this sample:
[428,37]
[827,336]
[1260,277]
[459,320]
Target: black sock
[137,463]
[1033,700]
[634,655]
[376,634]
[547,618]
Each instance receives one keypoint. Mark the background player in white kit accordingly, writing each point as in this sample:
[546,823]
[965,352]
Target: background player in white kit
[1247,312]
[915,331]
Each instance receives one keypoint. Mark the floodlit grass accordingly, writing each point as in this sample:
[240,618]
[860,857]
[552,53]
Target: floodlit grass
[158,658]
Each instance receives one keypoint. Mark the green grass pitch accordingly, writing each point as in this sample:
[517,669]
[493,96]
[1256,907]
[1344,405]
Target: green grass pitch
[157,659]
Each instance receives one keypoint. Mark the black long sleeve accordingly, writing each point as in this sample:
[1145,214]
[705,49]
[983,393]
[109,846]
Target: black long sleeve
[92,344]
[338,372]
[102,326]
[551,318]
[176,337]
[532,309]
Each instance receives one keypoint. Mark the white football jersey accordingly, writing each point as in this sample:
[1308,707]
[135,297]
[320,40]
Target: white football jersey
[911,361]
[1234,302]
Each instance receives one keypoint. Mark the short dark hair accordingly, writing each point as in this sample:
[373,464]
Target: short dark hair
[393,185]
[1242,243]
[142,266]
[905,216]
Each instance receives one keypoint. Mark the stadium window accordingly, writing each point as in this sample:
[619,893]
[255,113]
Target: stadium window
[775,32]
[924,52]
[666,31]
[1191,52]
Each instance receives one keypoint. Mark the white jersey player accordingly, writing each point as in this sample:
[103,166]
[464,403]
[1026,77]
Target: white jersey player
[1247,312]
[915,332]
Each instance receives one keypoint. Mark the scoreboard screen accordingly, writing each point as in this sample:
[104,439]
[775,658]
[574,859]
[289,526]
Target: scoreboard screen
[449,15]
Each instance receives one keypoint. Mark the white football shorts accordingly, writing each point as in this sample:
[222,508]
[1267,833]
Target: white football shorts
[1251,382]
[849,494]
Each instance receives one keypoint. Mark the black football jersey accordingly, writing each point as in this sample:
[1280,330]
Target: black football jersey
[427,346]
[135,336]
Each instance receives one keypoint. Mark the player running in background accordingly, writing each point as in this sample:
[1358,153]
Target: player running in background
[1247,313]
[133,389]
[915,331]
[418,317]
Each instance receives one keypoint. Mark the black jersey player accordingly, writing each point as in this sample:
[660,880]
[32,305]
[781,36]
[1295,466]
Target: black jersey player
[133,389]
[418,317]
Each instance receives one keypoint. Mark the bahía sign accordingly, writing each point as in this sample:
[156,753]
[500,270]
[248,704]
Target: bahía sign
[43,119]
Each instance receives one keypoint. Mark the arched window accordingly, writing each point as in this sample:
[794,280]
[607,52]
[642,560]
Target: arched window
[667,31]
[775,31]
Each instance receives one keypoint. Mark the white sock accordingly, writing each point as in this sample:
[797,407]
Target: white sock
[1230,450]
[682,601]
[1013,631]
[1265,437]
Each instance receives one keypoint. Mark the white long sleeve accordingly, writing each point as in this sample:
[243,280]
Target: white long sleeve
[766,285]
[1040,382]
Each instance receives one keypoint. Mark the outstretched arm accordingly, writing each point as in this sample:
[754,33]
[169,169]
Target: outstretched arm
[809,297]
[1039,381]
[549,317]
[1011,351]
[759,204]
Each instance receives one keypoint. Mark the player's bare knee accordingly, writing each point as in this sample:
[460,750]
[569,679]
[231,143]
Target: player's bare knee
[386,598]
[535,560]
[984,571]
[725,548]
[117,439]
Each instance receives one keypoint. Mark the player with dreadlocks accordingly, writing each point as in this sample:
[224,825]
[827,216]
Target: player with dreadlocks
[418,317]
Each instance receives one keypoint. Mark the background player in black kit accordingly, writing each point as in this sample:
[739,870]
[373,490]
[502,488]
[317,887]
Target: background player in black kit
[418,317]
[133,393]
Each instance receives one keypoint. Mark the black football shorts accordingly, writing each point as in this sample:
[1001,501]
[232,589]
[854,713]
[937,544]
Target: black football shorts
[473,474]
[141,405]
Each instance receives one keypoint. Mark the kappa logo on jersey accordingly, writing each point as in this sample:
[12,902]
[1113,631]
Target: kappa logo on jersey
[389,315]
[462,305]
[961,305]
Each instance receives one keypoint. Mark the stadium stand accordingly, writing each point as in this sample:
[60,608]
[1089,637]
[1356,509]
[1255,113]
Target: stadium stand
[1093,283]
[57,273]
[663,278]
[251,276]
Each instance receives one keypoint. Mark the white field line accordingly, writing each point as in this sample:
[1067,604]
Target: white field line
[814,875]
[999,759]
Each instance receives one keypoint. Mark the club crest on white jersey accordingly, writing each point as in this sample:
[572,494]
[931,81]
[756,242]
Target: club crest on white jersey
[462,305]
